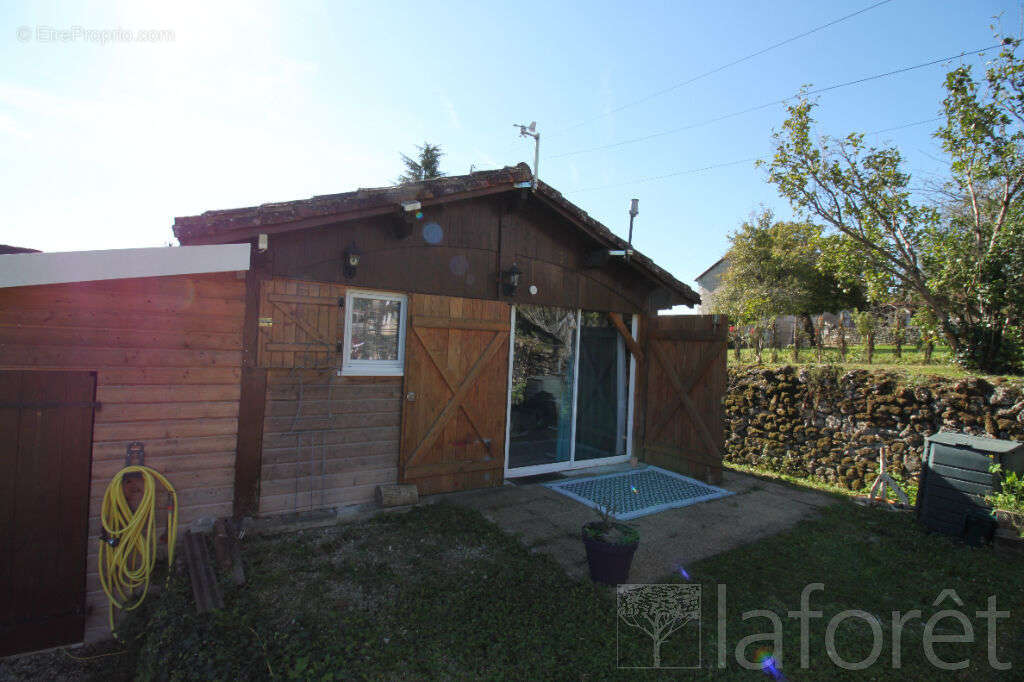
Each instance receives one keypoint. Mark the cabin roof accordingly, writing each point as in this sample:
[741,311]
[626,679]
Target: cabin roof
[244,223]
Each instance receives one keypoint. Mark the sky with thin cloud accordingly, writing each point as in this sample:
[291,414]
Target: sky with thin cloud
[105,136]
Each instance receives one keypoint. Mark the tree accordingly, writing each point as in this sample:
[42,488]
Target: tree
[774,269]
[927,327]
[867,326]
[658,610]
[426,168]
[958,259]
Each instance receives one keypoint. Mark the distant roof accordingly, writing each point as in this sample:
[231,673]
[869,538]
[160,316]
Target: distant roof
[7,248]
[713,266]
[27,269]
[243,223]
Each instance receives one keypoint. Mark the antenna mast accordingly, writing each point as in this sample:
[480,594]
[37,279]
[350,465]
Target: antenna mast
[531,131]
[634,210]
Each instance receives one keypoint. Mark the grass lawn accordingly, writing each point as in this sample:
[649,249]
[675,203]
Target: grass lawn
[441,592]
[910,365]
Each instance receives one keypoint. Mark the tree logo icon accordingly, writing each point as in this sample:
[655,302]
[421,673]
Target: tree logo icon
[658,626]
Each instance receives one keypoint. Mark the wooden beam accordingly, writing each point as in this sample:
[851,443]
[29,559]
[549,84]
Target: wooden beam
[249,455]
[431,322]
[631,343]
[252,398]
[425,470]
[306,300]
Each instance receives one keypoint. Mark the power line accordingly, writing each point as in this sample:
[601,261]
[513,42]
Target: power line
[725,164]
[905,125]
[723,67]
[766,105]
[667,175]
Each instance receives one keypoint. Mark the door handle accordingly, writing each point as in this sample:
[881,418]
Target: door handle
[410,396]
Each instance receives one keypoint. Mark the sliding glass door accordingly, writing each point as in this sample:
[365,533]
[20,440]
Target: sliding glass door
[603,394]
[569,391]
[543,376]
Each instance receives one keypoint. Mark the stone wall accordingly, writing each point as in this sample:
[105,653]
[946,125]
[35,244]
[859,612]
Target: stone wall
[821,423]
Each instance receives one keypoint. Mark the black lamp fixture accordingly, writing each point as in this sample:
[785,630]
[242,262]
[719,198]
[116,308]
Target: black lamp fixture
[510,280]
[351,261]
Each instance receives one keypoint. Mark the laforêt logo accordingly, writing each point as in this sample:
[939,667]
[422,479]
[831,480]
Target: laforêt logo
[658,626]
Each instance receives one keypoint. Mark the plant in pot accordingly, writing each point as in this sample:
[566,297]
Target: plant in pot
[610,547]
[1008,501]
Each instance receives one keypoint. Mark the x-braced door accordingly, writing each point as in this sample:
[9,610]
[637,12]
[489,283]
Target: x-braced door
[686,381]
[456,375]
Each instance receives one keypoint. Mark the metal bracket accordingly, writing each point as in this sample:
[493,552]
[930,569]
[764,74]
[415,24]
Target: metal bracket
[135,454]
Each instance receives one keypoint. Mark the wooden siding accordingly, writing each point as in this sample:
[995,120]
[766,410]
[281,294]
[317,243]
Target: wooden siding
[328,441]
[167,353]
[460,249]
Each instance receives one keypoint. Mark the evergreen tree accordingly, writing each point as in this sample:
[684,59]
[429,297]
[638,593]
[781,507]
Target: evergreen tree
[427,167]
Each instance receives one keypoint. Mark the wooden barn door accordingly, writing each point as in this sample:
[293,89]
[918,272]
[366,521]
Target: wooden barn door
[456,377]
[45,454]
[686,381]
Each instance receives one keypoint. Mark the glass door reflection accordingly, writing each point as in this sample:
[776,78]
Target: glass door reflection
[543,367]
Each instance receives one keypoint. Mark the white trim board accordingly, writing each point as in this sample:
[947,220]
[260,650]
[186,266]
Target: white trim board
[718,492]
[29,269]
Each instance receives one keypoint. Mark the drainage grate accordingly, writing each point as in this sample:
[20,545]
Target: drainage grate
[638,492]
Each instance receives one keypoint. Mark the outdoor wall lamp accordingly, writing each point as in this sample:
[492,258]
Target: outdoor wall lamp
[351,261]
[510,280]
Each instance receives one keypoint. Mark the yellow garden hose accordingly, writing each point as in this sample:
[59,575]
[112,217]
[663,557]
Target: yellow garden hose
[129,541]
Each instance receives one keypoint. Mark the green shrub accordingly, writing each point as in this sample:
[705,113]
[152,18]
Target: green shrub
[1010,496]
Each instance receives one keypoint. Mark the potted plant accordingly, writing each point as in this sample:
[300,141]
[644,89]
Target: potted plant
[1008,501]
[610,547]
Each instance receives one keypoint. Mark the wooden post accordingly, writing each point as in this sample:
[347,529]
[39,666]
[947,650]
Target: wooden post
[253,396]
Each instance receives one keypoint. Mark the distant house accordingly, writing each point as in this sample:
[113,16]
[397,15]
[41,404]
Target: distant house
[709,280]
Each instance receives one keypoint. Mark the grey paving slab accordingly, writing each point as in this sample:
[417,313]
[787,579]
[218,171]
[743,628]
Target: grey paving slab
[549,522]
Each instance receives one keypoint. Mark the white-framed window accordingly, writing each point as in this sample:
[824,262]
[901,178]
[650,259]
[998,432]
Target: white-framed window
[374,333]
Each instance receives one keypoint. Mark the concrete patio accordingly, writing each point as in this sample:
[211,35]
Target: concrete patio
[548,521]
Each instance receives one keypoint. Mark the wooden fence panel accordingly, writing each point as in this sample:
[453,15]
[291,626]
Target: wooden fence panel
[686,381]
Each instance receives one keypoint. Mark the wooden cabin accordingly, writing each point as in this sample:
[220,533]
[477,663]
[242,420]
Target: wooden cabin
[456,333]
[98,350]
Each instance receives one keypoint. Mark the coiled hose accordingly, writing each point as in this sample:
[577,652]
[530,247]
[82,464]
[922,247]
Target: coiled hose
[129,540]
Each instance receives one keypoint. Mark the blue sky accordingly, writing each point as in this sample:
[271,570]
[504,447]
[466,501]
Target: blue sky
[102,145]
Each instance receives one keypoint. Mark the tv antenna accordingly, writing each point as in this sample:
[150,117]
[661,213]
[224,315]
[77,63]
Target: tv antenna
[531,131]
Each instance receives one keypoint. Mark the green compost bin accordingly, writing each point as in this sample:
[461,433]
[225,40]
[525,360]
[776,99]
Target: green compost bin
[955,479]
